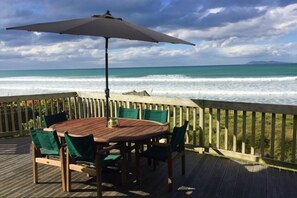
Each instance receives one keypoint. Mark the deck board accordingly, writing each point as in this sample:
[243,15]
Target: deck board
[206,176]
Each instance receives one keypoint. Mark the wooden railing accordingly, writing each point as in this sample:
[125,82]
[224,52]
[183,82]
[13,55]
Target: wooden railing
[19,113]
[263,133]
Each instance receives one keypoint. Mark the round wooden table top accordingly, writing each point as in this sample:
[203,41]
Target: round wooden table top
[128,129]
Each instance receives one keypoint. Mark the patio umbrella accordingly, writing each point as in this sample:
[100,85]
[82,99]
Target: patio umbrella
[105,26]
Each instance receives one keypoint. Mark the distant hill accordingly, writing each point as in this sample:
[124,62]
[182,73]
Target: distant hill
[265,62]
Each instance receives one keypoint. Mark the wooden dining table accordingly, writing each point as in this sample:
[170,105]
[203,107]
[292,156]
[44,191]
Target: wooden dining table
[128,130]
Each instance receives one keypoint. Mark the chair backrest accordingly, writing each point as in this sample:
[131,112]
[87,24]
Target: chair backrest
[128,113]
[178,137]
[155,115]
[46,141]
[53,119]
[81,148]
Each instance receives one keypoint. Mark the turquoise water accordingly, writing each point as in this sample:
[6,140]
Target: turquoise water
[190,71]
[275,83]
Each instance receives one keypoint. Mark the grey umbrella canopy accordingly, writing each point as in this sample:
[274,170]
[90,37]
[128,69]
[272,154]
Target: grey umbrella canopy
[105,26]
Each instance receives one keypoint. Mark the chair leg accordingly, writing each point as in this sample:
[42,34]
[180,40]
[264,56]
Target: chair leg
[183,159]
[68,173]
[170,175]
[98,176]
[149,161]
[129,145]
[124,165]
[34,165]
[154,164]
[62,159]
[137,161]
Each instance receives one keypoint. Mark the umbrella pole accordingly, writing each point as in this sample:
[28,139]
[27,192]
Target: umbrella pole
[106,81]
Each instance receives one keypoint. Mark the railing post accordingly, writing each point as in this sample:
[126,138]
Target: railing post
[210,120]
[218,128]
[294,138]
[12,110]
[201,125]
[194,126]
[235,131]
[272,140]
[1,126]
[6,118]
[226,128]
[262,133]
[243,132]
[187,118]
[283,137]
[253,141]
[19,118]
[174,115]
[80,109]
[181,115]
[26,114]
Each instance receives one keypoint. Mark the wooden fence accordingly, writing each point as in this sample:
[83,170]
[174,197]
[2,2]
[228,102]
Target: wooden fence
[263,133]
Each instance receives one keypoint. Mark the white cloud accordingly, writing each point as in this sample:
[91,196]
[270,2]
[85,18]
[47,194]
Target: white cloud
[276,22]
[54,52]
[211,11]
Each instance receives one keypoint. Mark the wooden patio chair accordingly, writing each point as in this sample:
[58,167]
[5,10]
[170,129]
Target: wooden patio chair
[46,149]
[132,114]
[83,155]
[49,120]
[168,152]
[157,116]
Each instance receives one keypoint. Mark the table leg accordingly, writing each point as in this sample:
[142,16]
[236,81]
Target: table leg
[124,164]
[137,161]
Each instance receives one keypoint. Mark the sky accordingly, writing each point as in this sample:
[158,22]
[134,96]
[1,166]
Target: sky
[224,32]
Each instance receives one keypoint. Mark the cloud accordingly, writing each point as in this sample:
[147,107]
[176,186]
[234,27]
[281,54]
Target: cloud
[225,32]
[274,23]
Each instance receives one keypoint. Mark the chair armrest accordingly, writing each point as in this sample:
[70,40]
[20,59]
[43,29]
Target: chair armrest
[48,129]
[108,148]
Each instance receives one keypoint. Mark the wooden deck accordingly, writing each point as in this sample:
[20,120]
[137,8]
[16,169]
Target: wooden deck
[206,176]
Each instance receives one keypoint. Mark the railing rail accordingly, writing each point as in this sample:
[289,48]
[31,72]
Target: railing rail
[260,132]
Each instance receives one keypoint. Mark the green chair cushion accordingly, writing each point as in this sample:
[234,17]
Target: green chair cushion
[128,113]
[161,153]
[178,136]
[46,141]
[33,133]
[83,149]
[53,119]
[155,115]
[110,159]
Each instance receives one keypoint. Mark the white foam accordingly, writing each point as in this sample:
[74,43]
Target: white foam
[269,89]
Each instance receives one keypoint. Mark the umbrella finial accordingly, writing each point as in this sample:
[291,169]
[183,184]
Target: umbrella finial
[108,15]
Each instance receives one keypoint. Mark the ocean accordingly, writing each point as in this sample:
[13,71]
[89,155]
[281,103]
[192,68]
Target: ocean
[273,84]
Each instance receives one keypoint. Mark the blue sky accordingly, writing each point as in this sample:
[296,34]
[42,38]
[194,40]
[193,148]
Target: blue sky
[225,32]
